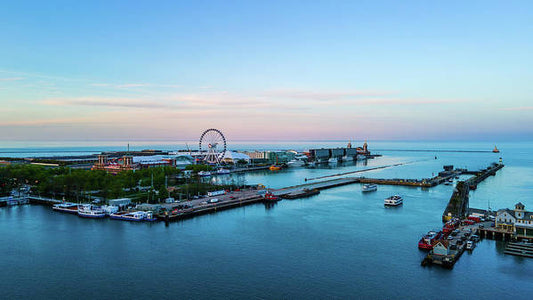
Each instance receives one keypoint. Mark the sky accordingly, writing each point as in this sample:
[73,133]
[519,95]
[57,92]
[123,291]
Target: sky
[266,70]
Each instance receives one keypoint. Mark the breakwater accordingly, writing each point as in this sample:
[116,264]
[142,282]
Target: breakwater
[458,204]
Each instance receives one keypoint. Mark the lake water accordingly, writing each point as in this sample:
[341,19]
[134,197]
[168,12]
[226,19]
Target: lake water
[338,244]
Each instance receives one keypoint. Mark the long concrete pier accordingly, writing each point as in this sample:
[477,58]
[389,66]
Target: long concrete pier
[458,205]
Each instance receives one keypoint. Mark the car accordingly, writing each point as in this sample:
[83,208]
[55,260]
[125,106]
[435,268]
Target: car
[455,232]
[492,224]
[481,226]
[233,197]
[453,247]
[450,238]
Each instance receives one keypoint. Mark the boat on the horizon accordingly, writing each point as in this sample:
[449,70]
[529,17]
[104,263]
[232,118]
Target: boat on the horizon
[495,150]
[394,200]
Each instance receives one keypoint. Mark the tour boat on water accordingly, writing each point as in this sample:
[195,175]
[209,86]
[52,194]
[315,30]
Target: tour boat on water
[70,208]
[495,150]
[223,171]
[204,173]
[426,242]
[136,216]
[369,187]
[91,211]
[274,168]
[394,201]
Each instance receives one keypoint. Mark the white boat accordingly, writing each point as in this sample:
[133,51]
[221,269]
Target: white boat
[90,211]
[223,171]
[136,216]
[204,173]
[333,161]
[347,158]
[361,157]
[470,245]
[394,201]
[110,209]
[296,163]
[369,187]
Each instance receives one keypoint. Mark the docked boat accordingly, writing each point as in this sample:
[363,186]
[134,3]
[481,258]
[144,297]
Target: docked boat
[296,163]
[223,171]
[369,187]
[204,173]
[110,209]
[470,245]
[394,201]
[136,216]
[333,161]
[274,168]
[426,242]
[91,211]
[70,208]
[269,197]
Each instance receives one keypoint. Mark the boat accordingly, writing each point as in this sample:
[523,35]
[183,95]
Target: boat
[204,173]
[369,187]
[333,160]
[271,197]
[274,168]
[91,211]
[495,150]
[426,242]
[70,208]
[136,216]
[223,171]
[395,200]
[470,245]
[110,209]
[296,163]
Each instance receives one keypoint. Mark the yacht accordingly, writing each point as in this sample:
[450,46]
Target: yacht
[394,201]
[369,187]
[91,211]
[333,161]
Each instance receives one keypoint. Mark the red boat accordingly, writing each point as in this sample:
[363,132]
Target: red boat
[271,197]
[426,242]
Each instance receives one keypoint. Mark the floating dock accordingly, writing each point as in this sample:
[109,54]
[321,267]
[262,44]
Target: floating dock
[519,249]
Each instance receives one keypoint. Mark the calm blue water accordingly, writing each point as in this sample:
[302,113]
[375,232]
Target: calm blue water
[339,244]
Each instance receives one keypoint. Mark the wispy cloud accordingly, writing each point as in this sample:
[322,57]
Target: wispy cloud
[134,85]
[107,102]
[325,95]
[517,108]
[12,79]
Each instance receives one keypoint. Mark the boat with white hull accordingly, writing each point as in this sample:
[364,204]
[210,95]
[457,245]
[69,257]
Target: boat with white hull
[369,187]
[69,208]
[394,201]
[136,216]
[91,211]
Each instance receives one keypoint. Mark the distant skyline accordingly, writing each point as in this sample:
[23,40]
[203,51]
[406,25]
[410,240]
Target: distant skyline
[274,70]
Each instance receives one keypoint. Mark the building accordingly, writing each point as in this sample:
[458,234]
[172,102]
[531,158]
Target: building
[129,163]
[231,157]
[441,247]
[518,221]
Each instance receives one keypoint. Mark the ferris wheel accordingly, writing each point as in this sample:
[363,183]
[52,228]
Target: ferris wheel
[213,142]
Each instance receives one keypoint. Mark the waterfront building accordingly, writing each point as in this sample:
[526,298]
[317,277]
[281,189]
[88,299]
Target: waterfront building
[129,162]
[518,221]
[441,247]
[231,157]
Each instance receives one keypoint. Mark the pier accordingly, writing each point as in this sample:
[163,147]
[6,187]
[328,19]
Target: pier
[458,204]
